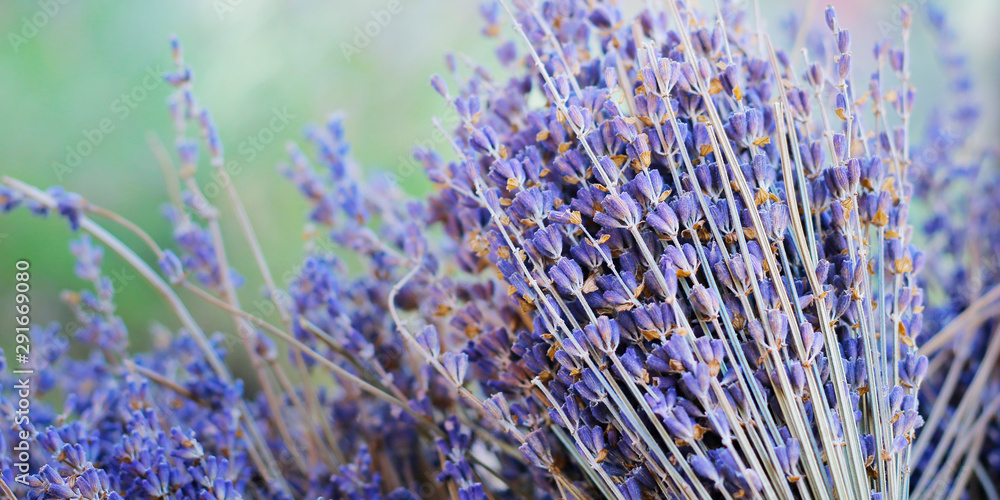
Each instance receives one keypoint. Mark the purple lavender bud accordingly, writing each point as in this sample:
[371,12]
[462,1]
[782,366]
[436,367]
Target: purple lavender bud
[610,77]
[9,199]
[840,146]
[620,211]
[831,17]
[69,205]
[755,125]
[738,124]
[669,71]
[649,81]
[720,424]
[565,216]
[590,387]
[678,349]
[756,330]
[898,134]
[576,345]
[680,425]
[912,370]
[794,451]
[589,255]
[456,365]
[187,150]
[682,261]
[868,449]
[705,301]
[604,335]
[899,444]
[171,267]
[507,53]
[703,345]
[662,402]
[730,80]
[567,275]
[797,376]
[437,82]
[497,407]
[647,188]
[686,207]
[753,480]
[631,489]
[632,361]
[740,277]
[639,149]
[896,398]
[704,468]
[536,450]
[562,86]
[778,322]
[481,141]
[724,276]
[508,173]
[704,69]
[602,17]
[211,131]
[564,360]
[688,77]
[623,130]
[843,66]
[548,242]
[815,75]
[593,439]
[429,341]
[654,318]
[779,220]
[664,220]
[576,117]
[702,140]
[698,381]
[897,60]
[840,106]
[60,491]
[811,342]
[186,447]
[844,41]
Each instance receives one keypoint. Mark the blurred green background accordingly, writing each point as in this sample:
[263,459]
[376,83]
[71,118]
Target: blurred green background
[66,64]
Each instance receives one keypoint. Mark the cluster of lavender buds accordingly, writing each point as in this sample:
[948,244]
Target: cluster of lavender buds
[664,258]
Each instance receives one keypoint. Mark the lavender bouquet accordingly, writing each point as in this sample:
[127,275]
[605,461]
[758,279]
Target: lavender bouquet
[664,259]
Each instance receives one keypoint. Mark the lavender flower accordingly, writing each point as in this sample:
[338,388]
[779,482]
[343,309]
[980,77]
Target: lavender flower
[673,265]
